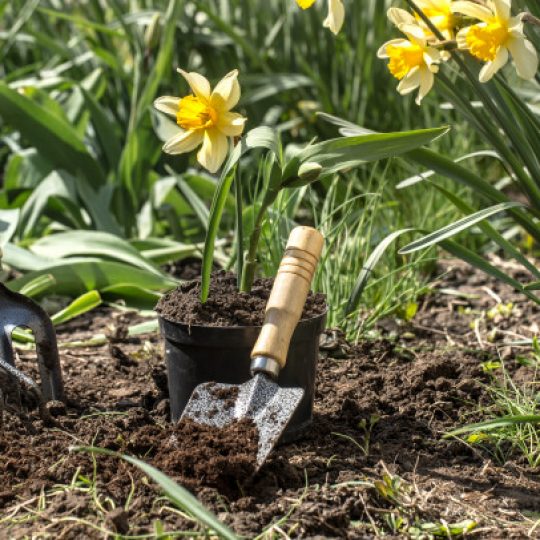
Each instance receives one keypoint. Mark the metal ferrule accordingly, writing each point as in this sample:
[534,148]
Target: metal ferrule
[263,364]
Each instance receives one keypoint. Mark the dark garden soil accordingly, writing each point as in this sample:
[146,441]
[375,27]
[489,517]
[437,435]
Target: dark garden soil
[225,305]
[374,454]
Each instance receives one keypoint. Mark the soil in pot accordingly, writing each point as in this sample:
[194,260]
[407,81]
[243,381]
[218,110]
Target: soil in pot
[226,306]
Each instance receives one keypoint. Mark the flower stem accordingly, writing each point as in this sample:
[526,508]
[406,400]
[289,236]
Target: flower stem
[239,229]
[251,258]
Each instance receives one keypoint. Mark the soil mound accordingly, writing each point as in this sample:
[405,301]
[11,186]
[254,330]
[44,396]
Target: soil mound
[226,306]
[201,455]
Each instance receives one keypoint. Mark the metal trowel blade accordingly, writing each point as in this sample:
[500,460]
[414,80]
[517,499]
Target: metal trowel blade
[260,399]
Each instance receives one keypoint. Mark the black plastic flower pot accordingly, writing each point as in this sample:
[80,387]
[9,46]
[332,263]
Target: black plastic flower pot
[198,354]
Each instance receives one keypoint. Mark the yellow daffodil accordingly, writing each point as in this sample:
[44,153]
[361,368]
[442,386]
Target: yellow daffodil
[336,13]
[412,61]
[440,14]
[498,35]
[205,118]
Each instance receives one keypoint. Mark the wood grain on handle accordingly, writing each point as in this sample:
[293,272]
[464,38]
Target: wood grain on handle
[289,293]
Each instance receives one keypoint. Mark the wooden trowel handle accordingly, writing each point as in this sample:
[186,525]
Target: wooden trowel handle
[289,293]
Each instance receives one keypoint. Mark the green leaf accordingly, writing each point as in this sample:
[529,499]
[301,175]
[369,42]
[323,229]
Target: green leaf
[79,306]
[196,203]
[9,220]
[454,228]
[534,286]
[57,190]
[22,259]
[133,295]
[496,423]
[491,232]
[367,269]
[163,250]
[417,178]
[178,495]
[346,152]
[77,276]
[38,286]
[51,135]
[106,130]
[92,243]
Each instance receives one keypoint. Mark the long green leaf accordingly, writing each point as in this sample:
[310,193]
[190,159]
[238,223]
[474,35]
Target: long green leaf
[491,232]
[367,269]
[38,286]
[345,152]
[446,167]
[496,423]
[92,244]
[84,303]
[74,277]
[9,219]
[454,228]
[133,295]
[57,190]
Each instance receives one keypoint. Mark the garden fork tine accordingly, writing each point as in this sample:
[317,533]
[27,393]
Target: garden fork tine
[18,310]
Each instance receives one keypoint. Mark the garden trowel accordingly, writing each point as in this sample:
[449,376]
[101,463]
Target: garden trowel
[261,399]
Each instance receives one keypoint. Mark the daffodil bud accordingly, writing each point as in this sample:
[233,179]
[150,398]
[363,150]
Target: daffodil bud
[309,171]
[153,32]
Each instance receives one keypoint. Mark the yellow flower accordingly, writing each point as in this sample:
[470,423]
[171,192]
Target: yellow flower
[440,14]
[336,13]
[205,118]
[497,36]
[412,61]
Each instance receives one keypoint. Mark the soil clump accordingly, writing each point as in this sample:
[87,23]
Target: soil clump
[200,455]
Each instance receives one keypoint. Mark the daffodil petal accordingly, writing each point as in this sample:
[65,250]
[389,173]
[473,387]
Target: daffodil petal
[410,82]
[185,141]
[431,56]
[336,16]
[231,124]
[399,16]
[426,84]
[198,84]
[502,9]
[400,42]
[461,38]
[167,104]
[476,11]
[213,151]
[226,94]
[414,32]
[490,68]
[525,57]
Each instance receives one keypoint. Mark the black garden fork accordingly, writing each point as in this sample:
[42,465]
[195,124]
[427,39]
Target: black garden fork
[16,388]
